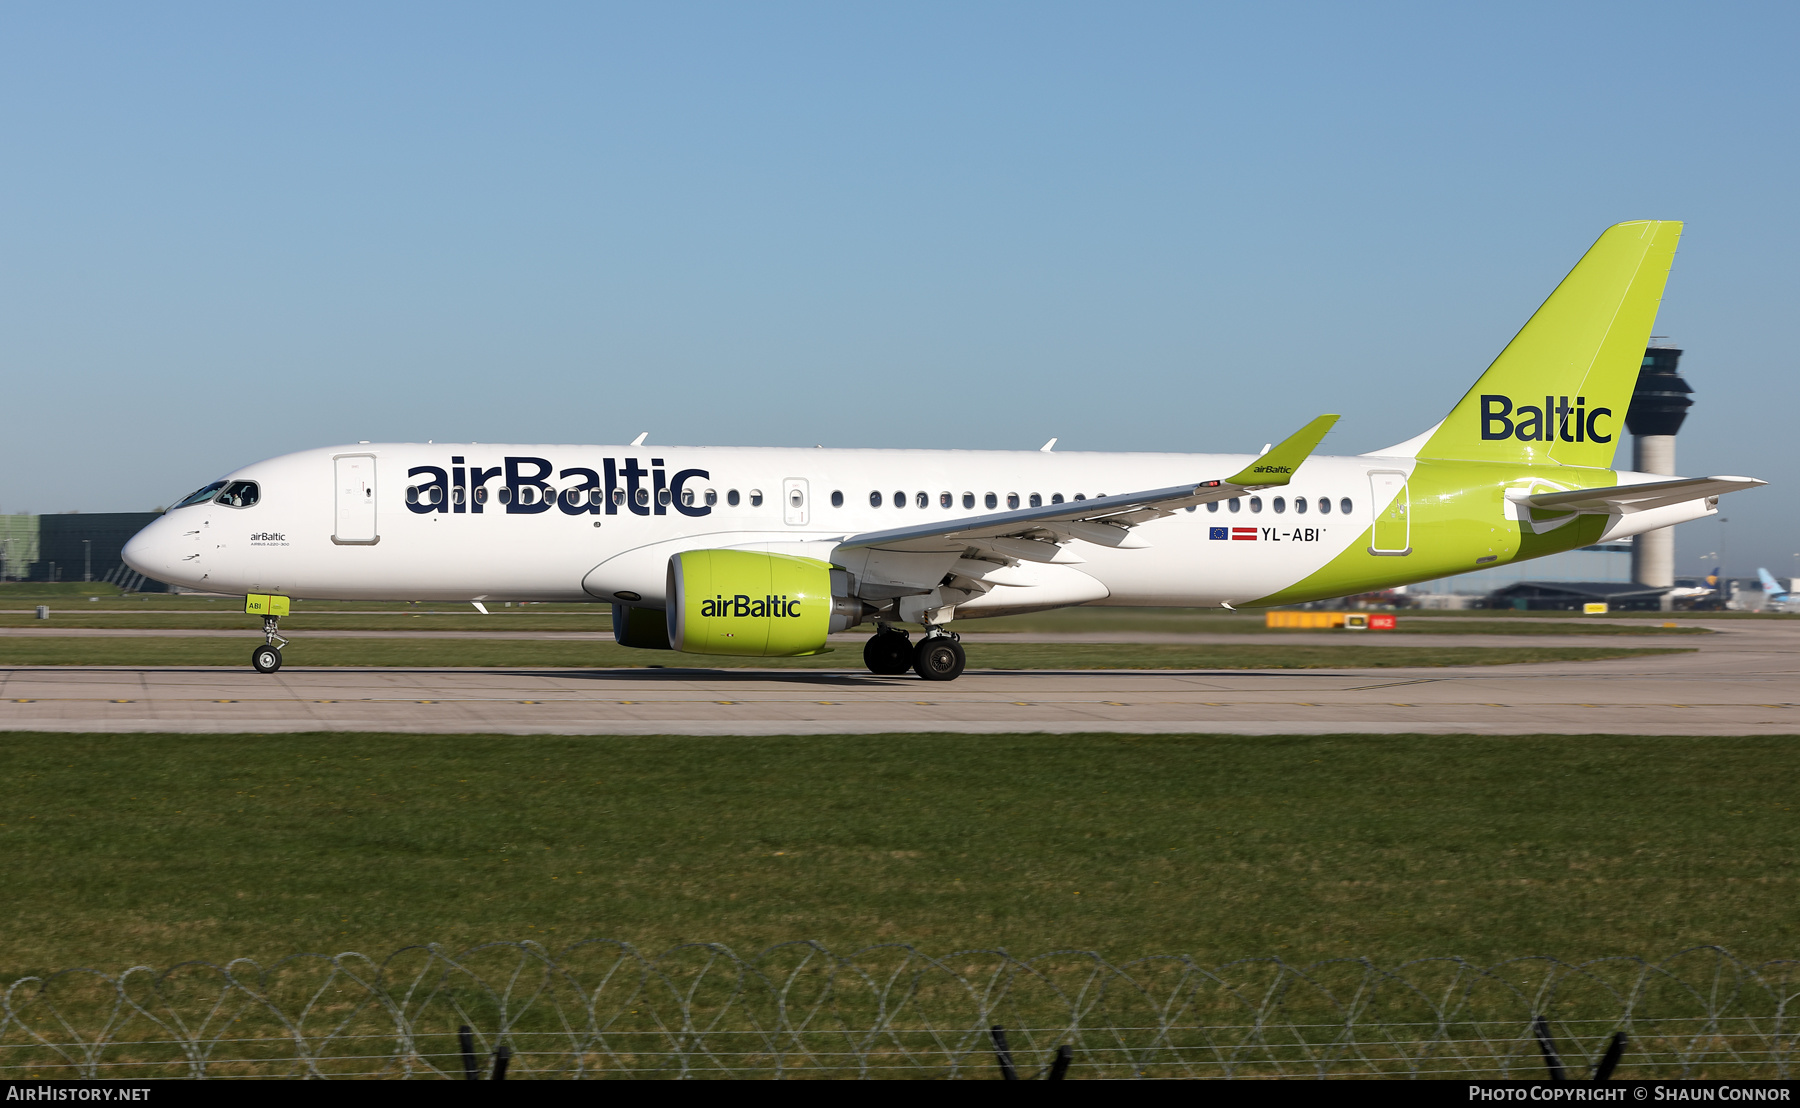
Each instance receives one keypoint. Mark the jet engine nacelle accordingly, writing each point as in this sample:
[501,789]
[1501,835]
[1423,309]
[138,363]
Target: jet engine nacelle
[751,603]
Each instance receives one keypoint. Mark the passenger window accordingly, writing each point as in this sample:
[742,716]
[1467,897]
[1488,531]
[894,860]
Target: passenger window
[1212,505]
[687,498]
[969,499]
[412,494]
[945,500]
[756,498]
[796,497]
[619,497]
[923,500]
[1056,498]
[437,497]
[1324,505]
[458,495]
[712,497]
[1081,496]
[1256,504]
[899,500]
[505,494]
[1300,504]
[837,499]
[1234,504]
[1279,504]
[1012,500]
[731,498]
[1344,506]
[1190,507]
[662,497]
[993,501]
[480,494]
[1037,500]
[874,500]
[643,498]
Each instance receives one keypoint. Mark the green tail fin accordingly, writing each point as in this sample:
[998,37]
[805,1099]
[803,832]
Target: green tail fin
[1578,355]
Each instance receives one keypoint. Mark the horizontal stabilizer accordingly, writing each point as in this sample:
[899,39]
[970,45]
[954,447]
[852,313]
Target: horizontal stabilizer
[1626,499]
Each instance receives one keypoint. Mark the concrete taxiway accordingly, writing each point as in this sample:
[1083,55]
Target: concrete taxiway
[1741,681]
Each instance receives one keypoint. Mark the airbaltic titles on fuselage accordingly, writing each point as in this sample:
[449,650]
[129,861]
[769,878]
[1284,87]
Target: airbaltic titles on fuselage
[524,488]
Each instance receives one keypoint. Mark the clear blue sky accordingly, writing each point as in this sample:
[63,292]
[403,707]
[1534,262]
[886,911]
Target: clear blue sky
[230,231]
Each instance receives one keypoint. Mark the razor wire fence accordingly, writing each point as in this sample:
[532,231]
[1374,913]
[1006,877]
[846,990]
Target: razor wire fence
[602,1009]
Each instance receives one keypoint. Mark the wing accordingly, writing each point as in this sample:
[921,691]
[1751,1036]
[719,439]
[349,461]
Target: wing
[1626,499]
[1035,534]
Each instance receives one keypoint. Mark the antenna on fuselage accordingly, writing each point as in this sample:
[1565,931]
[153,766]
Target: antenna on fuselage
[1045,449]
[639,441]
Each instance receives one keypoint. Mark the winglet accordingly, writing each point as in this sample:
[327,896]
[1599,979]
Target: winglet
[1277,466]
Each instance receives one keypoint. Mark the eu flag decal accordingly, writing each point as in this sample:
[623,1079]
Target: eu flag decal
[1219,533]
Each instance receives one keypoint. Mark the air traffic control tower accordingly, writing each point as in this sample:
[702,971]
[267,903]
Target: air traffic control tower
[1658,407]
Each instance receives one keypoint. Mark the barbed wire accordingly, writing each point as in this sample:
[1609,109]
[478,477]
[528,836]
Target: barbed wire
[600,1008]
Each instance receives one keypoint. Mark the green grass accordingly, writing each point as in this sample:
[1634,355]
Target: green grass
[118,849]
[603,653]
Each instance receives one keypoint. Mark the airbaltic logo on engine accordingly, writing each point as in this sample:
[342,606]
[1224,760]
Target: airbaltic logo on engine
[742,607]
[528,486]
[1551,423]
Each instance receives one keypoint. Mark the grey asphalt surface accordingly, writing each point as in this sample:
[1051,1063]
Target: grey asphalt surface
[1741,681]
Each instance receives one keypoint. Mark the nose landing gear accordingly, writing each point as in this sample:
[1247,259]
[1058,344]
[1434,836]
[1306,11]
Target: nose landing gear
[267,658]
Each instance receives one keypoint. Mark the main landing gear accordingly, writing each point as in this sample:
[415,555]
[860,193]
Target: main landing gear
[937,657]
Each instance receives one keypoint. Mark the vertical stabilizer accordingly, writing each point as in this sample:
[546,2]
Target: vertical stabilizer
[1558,393]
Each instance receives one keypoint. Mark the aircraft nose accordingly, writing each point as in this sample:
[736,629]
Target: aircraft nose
[151,551]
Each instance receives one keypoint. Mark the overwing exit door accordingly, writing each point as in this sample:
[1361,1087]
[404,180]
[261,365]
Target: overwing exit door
[355,523]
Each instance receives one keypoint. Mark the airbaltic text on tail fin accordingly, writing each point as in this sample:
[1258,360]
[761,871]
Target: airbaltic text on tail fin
[1558,393]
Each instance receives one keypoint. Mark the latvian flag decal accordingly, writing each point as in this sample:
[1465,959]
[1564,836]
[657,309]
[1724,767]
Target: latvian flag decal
[1232,533]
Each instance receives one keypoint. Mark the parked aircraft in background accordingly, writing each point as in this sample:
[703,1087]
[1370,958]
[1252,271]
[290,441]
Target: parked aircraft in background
[1774,596]
[764,552]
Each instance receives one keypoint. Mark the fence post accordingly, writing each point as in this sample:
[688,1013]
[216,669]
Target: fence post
[1003,1053]
[1060,1068]
[1541,1027]
[1610,1062]
[466,1036]
[502,1056]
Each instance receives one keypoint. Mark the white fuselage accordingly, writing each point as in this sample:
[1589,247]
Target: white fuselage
[493,545]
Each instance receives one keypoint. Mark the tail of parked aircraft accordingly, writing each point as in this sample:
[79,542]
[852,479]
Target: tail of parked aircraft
[1558,393]
[1771,588]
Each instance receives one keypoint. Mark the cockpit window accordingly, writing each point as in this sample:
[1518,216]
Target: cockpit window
[240,494]
[200,496]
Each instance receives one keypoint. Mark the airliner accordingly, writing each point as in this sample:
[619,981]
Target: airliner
[763,552]
[1775,597]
